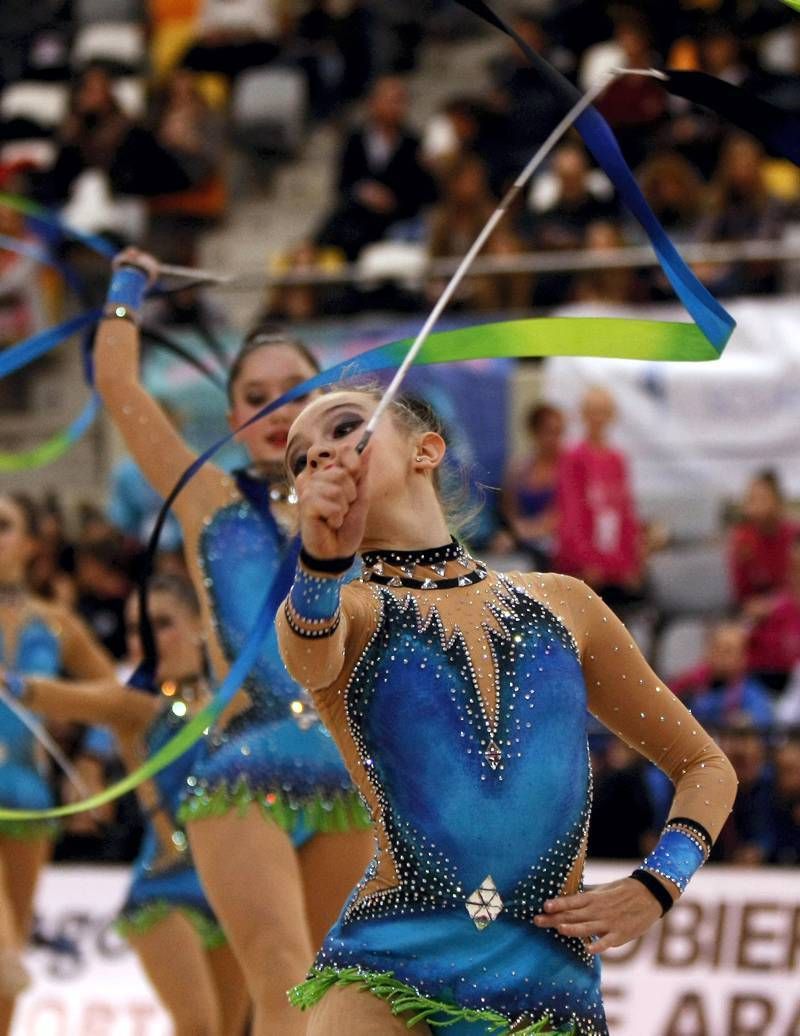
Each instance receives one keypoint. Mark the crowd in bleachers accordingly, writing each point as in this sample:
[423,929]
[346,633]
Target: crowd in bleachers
[124,114]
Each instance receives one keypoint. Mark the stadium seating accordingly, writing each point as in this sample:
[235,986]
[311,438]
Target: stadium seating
[269,110]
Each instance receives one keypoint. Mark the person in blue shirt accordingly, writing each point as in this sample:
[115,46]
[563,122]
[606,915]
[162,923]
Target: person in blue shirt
[722,688]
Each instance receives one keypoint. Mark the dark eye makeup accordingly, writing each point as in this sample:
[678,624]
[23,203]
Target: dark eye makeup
[339,427]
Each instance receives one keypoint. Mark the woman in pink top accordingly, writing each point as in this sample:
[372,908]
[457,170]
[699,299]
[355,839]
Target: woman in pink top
[599,537]
[761,544]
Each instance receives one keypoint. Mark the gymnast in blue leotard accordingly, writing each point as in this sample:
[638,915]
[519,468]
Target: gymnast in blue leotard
[459,698]
[35,637]
[277,829]
[166,916]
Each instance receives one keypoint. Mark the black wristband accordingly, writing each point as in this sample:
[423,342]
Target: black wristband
[655,888]
[330,566]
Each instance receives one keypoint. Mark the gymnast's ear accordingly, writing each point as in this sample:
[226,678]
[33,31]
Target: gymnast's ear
[428,452]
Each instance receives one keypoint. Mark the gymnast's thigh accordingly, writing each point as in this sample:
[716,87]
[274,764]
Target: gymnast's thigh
[349,1011]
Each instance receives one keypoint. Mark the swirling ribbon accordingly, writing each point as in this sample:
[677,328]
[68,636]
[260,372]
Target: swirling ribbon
[777,129]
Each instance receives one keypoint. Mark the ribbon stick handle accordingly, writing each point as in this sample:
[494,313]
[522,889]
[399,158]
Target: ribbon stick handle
[452,286]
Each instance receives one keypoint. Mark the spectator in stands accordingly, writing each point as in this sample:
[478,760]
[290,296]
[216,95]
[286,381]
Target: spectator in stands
[97,136]
[748,837]
[607,283]
[786,804]
[452,132]
[456,221]
[674,190]
[93,133]
[233,35]
[307,301]
[741,210]
[188,129]
[102,589]
[598,531]
[760,545]
[331,43]
[381,179]
[774,648]
[635,106]
[721,688]
[528,504]
[525,109]
[623,824]
[562,218]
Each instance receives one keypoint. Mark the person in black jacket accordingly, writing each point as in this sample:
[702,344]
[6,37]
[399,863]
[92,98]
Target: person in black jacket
[381,178]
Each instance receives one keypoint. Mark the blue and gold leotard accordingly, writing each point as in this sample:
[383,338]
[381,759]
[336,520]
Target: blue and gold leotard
[164,877]
[459,699]
[276,752]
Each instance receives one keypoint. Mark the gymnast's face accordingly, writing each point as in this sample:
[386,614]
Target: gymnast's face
[402,459]
[17,545]
[264,376]
[178,633]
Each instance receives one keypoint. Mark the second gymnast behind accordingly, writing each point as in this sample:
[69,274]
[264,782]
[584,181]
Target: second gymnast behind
[458,698]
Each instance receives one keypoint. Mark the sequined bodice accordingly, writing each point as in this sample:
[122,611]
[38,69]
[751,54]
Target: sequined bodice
[170,782]
[239,554]
[465,742]
[38,651]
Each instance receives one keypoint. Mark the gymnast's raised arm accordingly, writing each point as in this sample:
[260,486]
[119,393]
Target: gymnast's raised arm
[156,446]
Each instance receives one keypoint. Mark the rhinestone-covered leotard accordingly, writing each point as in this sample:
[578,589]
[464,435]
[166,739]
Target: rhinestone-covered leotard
[276,752]
[23,780]
[461,712]
[164,877]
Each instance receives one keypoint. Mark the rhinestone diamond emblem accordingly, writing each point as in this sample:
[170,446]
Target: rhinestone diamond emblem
[484,905]
[493,755]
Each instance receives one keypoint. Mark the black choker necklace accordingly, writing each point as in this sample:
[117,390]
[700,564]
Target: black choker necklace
[436,559]
[468,579]
[452,551]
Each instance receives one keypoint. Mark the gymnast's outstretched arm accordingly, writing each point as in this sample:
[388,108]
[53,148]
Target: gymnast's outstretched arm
[101,702]
[156,446]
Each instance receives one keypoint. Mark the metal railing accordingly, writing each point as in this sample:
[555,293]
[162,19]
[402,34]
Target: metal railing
[568,260]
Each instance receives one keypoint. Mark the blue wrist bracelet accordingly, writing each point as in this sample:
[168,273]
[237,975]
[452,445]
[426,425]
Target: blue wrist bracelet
[127,288]
[677,856]
[315,599]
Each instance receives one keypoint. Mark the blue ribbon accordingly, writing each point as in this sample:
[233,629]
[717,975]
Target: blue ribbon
[714,321]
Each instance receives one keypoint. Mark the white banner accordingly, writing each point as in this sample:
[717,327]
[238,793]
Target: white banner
[86,981]
[724,962]
[701,428]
